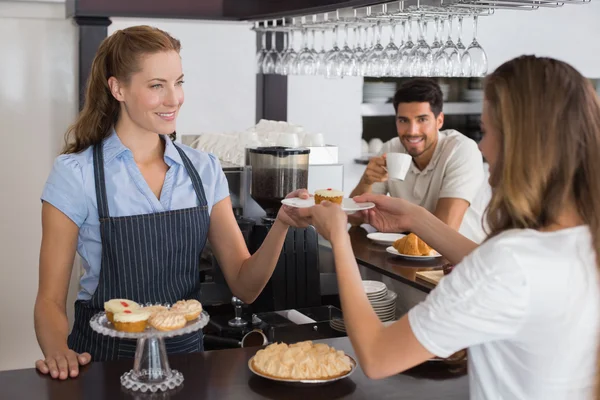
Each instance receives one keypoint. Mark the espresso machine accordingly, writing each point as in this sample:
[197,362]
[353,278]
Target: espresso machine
[270,174]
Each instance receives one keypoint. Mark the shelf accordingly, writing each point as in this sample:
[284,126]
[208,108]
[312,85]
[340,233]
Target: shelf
[387,109]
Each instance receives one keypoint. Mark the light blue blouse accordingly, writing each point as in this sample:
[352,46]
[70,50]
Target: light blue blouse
[71,189]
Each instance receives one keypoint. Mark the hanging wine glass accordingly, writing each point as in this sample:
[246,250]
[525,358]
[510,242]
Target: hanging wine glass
[268,64]
[421,58]
[333,69]
[474,59]
[305,63]
[390,51]
[346,54]
[262,52]
[280,62]
[289,59]
[357,53]
[377,59]
[404,64]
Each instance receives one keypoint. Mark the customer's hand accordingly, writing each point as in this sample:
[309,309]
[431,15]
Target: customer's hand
[289,216]
[63,364]
[329,220]
[391,214]
[376,171]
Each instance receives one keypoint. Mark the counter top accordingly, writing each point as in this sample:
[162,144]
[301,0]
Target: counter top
[224,374]
[373,256]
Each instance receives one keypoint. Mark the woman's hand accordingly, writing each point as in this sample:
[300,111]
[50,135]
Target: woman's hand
[391,214]
[329,220]
[289,216]
[62,364]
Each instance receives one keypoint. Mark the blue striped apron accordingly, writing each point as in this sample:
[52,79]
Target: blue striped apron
[149,258]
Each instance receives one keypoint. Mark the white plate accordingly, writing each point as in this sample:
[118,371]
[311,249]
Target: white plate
[387,239]
[348,205]
[303,382]
[393,251]
[374,287]
[389,298]
[377,297]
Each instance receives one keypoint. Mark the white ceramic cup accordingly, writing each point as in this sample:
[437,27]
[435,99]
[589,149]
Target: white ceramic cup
[288,140]
[398,165]
[314,140]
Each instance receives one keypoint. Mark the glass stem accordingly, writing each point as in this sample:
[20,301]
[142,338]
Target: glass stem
[475,28]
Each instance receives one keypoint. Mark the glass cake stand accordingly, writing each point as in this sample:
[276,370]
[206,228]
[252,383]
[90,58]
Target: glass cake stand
[151,371]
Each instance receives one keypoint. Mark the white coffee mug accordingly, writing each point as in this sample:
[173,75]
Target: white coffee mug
[398,165]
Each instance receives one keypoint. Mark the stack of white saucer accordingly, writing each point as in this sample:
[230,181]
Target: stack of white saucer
[382,300]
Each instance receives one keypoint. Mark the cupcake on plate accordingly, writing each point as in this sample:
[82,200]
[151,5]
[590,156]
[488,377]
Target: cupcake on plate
[190,309]
[131,320]
[167,321]
[154,309]
[115,306]
[334,196]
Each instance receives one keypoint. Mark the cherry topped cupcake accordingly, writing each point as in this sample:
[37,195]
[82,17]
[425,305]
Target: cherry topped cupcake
[131,320]
[334,196]
[118,305]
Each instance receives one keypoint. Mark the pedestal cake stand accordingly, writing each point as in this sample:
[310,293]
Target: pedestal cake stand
[151,371]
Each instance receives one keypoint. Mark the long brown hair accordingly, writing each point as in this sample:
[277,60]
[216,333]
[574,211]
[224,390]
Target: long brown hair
[548,117]
[119,56]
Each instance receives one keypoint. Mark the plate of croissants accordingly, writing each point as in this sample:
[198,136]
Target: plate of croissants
[412,247]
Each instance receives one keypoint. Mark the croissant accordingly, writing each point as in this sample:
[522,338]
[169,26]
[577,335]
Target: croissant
[412,245]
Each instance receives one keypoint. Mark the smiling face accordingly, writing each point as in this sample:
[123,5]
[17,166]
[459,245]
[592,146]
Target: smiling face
[417,128]
[152,97]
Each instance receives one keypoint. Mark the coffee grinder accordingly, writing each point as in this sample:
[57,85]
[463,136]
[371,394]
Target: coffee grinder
[276,172]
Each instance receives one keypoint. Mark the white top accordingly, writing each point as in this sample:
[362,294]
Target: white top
[527,306]
[455,171]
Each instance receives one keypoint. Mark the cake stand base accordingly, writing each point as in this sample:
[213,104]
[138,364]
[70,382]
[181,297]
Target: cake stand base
[151,371]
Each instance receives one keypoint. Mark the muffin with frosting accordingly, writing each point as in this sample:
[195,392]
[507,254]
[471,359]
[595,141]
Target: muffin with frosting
[115,306]
[131,320]
[334,196]
[167,321]
[190,309]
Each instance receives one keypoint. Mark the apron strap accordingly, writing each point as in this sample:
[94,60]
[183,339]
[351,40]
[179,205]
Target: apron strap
[101,198]
[195,177]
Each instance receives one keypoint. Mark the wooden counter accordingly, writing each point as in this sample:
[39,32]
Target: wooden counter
[224,374]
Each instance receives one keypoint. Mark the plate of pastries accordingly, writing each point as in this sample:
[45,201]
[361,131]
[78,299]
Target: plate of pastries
[128,316]
[412,247]
[303,363]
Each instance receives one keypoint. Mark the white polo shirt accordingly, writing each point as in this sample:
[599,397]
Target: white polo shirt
[455,171]
[527,306]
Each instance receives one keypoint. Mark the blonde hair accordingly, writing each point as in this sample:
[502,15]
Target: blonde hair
[548,118]
[119,56]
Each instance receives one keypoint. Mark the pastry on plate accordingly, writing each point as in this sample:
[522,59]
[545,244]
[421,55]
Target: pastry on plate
[114,306]
[302,361]
[167,321]
[190,309]
[412,245]
[334,196]
[155,309]
[131,320]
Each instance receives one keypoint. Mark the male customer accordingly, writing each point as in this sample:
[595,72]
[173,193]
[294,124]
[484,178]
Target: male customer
[446,175]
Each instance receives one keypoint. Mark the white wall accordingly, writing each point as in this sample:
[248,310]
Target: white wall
[218,63]
[568,33]
[37,102]
[332,107]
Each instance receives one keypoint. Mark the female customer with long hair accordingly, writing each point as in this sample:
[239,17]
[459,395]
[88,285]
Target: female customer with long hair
[526,302]
[136,207]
